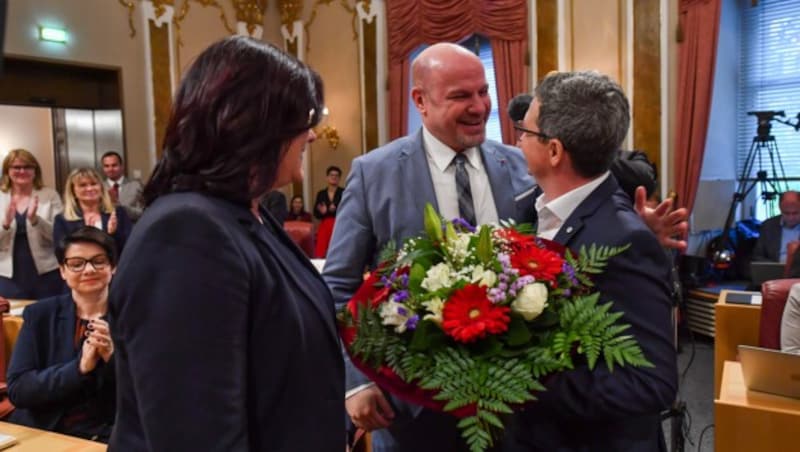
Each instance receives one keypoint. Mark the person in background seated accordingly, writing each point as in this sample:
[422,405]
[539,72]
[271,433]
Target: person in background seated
[790,322]
[28,265]
[61,374]
[297,212]
[87,202]
[776,232]
[325,208]
[275,203]
[226,333]
[123,192]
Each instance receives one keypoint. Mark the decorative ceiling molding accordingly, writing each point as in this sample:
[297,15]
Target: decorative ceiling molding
[131,6]
[160,7]
[251,12]
[345,4]
[184,11]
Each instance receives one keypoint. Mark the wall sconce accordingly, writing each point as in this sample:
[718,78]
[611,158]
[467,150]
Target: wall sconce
[329,132]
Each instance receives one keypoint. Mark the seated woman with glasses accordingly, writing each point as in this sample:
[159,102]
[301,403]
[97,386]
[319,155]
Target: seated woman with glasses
[61,374]
[87,203]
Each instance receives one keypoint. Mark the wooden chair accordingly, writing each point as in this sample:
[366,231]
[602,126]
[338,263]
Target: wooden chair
[302,234]
[5,404]
[773,299]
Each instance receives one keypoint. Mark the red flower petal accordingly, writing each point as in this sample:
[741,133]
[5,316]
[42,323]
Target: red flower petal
[469,315]
[542,264]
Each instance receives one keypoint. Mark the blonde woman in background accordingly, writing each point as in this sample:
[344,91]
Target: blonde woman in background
[28,265]
[87,203]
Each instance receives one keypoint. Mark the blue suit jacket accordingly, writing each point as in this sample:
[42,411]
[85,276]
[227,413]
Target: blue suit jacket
[384,201]
[598,410]
[225,335]
[43,376]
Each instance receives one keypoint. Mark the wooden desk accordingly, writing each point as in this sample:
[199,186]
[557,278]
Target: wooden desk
[735,324]
[11,326]
[750,420]
[35,440]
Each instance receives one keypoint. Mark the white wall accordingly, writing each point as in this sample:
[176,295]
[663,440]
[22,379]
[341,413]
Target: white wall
[30,128]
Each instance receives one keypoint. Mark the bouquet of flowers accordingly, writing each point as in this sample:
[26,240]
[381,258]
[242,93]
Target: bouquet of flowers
[470,321]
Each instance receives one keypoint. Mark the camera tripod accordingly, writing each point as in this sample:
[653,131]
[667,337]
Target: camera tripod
[772,183]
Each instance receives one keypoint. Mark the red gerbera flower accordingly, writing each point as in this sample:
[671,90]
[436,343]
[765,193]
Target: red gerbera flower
[514,238]
[469,315]
[542,264]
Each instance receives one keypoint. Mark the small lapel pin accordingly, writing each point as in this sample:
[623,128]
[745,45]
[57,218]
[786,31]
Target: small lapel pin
[569,229]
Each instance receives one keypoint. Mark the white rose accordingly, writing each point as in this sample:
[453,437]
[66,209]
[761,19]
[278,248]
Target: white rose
[485,278]
[437,277]
[530,301]
[435,307]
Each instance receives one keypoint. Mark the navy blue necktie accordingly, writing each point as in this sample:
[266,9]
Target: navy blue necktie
[466,209]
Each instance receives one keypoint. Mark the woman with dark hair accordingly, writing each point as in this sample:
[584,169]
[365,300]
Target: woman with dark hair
[61,374]
[328,200]
[297,212]
[225,330]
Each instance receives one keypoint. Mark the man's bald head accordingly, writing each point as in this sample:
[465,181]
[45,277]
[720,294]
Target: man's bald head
[451,94]
[790,208]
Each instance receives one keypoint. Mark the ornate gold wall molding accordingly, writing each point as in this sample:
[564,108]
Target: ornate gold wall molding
[291,10]
[251,13]
[161,80]
[131,7]
[347,7]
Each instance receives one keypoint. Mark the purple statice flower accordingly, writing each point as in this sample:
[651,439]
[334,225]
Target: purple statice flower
[567,292]
[496,295]
[570,272]
[404,280]
[400,296]
[463,224]
[402,311]
[411,323]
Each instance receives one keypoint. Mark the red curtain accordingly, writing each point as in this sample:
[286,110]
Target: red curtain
[697,56]
[411,23]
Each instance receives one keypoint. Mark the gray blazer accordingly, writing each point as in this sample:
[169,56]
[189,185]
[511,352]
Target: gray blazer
[130,197]
[384,200]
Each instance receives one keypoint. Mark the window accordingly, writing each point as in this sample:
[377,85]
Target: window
[481,46]
[769,80]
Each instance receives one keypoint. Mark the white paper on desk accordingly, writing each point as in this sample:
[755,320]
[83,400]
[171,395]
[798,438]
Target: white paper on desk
[756,299]
[7,441]
[17,311]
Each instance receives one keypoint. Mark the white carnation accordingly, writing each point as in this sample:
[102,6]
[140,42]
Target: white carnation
[530,301]
[395,314]
[434,307]
[437,277]
[485,278]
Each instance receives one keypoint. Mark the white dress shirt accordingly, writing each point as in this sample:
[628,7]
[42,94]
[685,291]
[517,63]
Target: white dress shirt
[119,181]
[443,173]
[553,214]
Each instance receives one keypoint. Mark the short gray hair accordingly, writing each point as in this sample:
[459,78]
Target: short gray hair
[588,113]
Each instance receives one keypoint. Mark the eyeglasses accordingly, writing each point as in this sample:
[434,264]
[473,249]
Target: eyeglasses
[22,168]
[77,264]
[523,131]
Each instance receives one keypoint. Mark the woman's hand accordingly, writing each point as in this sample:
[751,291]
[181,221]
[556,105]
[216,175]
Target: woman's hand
[322,208]
[100,338]
[89,358]
[112,222]
[91,218]
[11,211]
[32,208]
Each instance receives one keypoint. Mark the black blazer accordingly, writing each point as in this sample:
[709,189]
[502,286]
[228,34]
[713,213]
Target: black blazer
[768,246]
[322,198]
[225,336]
[598,410]
[43,376]
[62,227]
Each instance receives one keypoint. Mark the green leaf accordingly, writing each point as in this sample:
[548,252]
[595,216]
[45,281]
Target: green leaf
[518,333]
[433,223]
[415,278]
[427,336]
[484,249]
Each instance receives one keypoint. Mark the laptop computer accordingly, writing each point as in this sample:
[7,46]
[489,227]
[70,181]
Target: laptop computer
[771,371]
[761,272]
